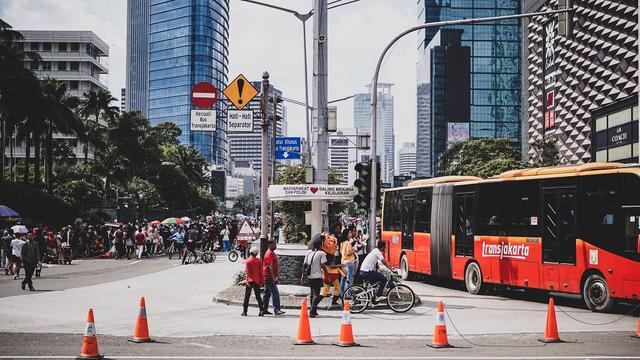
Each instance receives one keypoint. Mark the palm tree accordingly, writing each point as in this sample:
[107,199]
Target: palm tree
[189,161]
[19,87]
[96,102]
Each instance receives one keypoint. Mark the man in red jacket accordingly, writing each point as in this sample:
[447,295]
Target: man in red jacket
[270,276]
[253,269]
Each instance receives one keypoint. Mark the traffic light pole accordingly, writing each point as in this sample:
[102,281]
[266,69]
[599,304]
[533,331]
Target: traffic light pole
[374,97]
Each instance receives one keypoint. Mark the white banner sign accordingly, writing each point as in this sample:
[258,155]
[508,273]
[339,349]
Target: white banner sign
[240,120]
[305,192]
[203,120]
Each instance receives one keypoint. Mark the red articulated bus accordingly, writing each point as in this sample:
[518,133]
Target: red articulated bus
[573,229]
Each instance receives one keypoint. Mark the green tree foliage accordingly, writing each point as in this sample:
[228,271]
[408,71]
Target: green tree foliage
[189,161]
[480,157]
[245,204]
[546,152]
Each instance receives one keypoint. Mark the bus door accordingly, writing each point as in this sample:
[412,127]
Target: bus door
[464,208]
[408,217]
[558,235]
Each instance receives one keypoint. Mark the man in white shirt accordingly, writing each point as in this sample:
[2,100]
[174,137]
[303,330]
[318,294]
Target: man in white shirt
[16,252]
[368,270]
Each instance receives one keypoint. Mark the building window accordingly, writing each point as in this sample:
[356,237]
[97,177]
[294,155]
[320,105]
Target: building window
[616,136]
[74,66]
[46,46]
[75,47]
[46,65]
[33,65]
[62,46]
[62,66]
[73,85]
[35,46]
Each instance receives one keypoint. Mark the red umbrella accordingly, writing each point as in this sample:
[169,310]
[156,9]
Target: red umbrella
[155,222]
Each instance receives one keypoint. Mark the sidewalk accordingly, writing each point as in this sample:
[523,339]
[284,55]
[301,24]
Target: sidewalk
[291,297]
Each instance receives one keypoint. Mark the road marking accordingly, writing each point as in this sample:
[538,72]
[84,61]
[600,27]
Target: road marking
[202,345]
[135,262]
[334,358]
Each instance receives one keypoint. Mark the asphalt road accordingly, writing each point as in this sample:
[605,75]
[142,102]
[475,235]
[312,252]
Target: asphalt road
[182,314]
[84,272]
[522,346]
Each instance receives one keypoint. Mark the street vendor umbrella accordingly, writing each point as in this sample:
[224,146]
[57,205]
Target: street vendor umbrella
[155,222]
[185,218]
[7,212]
[172,220]
[19,229]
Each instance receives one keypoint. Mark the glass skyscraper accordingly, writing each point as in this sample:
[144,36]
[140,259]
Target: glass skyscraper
[492,52]
[188,43]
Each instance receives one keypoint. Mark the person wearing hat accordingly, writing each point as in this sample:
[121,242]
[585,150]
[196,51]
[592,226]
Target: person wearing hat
[253,270]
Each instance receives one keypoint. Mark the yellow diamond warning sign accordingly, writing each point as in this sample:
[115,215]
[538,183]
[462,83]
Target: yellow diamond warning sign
[240,91]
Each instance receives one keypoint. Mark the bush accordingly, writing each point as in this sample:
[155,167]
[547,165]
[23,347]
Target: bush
[36,206]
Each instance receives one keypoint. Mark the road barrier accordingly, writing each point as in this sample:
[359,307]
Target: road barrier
[346,331]
[440,338]
[90,340]
[141,332]
[304,329]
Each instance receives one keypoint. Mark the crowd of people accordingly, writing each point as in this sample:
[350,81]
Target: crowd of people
[332,260]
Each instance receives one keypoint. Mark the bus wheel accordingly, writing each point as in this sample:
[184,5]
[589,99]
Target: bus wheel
[473,278]
[404,267]
[596,294]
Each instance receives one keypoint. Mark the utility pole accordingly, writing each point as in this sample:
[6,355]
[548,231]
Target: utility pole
[320,113]
[274,164]
[264,170]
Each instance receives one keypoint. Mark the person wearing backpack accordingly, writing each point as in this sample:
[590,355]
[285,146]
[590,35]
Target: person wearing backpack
[315,262]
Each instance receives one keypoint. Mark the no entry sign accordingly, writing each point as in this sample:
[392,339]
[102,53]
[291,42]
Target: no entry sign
[204,95]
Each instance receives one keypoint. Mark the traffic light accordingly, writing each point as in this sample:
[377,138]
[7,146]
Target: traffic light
[363,184]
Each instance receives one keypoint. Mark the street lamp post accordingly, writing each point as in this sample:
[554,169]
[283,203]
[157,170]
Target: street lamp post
[374,98]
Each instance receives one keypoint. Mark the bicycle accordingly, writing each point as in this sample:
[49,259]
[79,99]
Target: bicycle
[201,257]
[400,297]
[236,250]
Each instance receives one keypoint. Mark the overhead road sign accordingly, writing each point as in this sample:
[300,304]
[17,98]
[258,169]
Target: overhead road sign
[240,120]
[306,192]
[204,95]
[203,120]
[240,92]
[288,148]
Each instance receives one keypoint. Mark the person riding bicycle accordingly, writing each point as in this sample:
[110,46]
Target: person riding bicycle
[368,270]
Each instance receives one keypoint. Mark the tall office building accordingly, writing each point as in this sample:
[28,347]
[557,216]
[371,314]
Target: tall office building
[173,45]
[384,122]
[245,149]
[78,58]
[343,155]
[583,79]
[407,159]
[468,80]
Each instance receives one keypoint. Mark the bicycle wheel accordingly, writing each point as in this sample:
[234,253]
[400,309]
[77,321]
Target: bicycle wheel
[233,256]
[208,257]
[401,298]
[191,258]
[170,252]
[358,298]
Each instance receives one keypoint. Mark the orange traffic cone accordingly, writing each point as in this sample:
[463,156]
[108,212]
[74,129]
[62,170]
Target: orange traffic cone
[346,332]
[440,338]
[304,330]
[141,333]
[90,341]
[551,329]
[637,335]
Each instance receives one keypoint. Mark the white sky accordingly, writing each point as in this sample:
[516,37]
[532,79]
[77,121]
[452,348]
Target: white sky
[265,39]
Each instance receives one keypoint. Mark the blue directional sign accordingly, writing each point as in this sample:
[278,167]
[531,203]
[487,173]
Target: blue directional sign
[288,148]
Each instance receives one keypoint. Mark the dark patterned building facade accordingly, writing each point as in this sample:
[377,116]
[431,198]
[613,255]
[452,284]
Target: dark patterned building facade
[582,71]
